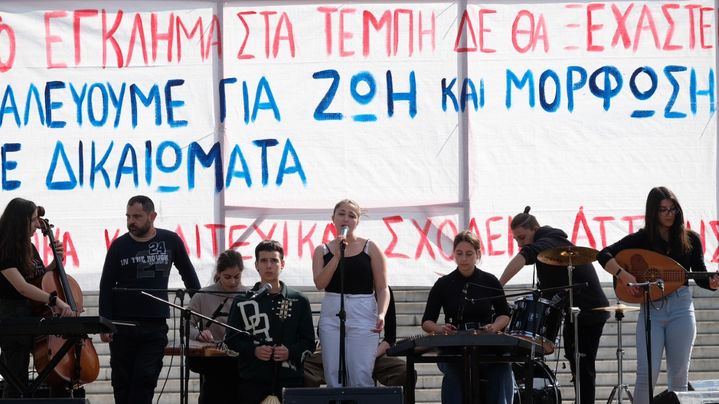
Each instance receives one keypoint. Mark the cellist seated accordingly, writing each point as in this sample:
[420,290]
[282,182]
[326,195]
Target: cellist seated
[21,265]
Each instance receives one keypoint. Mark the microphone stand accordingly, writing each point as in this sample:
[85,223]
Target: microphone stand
[462,305]
[574,312]
[540,291]
[185,347]
[342,376]
[185,316]
[184,332]
[648,327]
[469,389]
[648,336]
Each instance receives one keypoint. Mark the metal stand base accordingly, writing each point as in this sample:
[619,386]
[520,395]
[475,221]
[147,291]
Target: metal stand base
[620,387]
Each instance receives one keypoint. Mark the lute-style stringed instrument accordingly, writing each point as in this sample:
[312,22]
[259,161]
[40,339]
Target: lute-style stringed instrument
[649,266]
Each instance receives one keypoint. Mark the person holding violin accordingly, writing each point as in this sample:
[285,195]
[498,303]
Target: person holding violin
[140,259]
[218,375]
[21,267]
[673,325]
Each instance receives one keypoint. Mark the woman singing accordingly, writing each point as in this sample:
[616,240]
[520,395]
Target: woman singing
[366,298]
[218,375]
[20,265]
[673,327]
[450,294]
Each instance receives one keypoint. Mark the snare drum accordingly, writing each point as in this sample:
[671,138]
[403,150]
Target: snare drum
[536,320]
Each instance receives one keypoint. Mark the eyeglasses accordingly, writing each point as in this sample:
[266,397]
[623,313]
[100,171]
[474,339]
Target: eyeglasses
[670,211]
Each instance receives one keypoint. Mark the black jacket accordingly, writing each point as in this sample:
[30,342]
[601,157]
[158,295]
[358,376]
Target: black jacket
[266,320]
[586,298]
[142,265]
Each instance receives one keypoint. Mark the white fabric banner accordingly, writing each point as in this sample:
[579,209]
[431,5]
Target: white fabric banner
[250,120]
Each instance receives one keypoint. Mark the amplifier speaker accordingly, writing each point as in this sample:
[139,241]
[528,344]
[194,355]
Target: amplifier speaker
[687,397]
[347,395]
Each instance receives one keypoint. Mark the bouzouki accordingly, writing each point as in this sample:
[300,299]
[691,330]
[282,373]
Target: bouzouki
[283,312]
[649,266]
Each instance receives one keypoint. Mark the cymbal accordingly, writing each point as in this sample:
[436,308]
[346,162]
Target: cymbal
[561,256]
[617,307]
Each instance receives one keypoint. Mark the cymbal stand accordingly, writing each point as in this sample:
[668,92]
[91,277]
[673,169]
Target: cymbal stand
[620,386]
[573,319]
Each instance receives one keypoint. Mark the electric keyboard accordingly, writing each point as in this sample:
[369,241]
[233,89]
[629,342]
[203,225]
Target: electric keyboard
[483,342]
[63,326]
[471,347]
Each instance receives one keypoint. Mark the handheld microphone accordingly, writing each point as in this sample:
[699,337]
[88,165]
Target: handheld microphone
[343,243]
[643,284]
[261,291]
[462,304]
[638,284]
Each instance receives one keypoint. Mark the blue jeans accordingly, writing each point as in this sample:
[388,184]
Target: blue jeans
[673,329]
[500,382]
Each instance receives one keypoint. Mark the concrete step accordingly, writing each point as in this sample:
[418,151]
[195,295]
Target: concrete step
[410,308]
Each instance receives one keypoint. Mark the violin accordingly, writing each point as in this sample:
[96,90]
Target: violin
[81,364]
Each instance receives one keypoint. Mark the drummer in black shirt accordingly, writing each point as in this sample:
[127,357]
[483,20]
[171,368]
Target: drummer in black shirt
[532,240]
[450,294]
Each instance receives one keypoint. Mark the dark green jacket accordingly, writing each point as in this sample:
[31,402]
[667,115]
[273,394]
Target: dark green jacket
[262,318]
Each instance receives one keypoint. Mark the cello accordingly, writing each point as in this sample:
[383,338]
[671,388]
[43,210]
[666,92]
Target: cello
[81,364]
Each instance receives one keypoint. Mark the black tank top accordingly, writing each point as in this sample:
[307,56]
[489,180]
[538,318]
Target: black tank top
[358,273]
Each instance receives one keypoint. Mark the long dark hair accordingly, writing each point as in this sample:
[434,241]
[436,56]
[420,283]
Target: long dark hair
[678,235]
[15,234]
[228,259]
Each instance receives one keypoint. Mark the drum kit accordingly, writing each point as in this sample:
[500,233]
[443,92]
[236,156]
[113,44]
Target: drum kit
[539,320]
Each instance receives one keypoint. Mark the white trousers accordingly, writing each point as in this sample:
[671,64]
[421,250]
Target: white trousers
[360,341]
